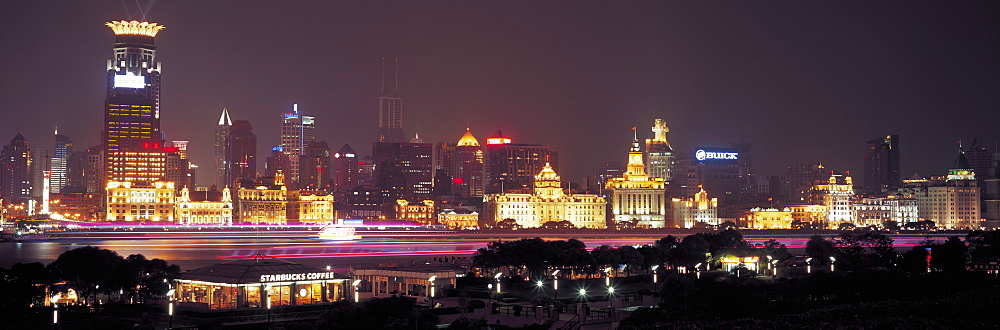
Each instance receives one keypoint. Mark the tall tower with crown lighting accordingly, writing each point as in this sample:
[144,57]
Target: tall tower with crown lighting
[636,198]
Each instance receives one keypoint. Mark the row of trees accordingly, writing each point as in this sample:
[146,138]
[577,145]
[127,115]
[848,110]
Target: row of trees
[89,271]
[537,255]
[863,249]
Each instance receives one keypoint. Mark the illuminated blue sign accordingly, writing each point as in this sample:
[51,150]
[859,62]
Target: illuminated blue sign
[277,148]
[716,155]
[291,115]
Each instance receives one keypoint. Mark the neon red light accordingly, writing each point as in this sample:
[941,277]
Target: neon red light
[458,180]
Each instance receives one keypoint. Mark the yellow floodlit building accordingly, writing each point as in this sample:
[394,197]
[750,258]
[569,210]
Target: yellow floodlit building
[814,214]
[699,211]
[547,202]
[264,203]
[422,212]
[143,203]
[637,197]
[770,218]
[459,218]
[310,206]
[205,208]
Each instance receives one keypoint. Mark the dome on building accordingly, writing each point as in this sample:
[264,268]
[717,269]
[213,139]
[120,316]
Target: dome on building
[468,140]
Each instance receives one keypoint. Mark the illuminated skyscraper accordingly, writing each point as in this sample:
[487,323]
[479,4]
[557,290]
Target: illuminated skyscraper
[636,197]
[463,164]
[131,138]
[315,166]
[241,151]
[222,167]
[60,162]
[659,154]
[390,110]
[16,171]
[403,171]
[297,130]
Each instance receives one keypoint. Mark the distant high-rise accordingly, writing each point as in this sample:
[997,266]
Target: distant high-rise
[463,164]
[131,138]
[882,164]
[659,154]
[241,152]
[60,163]
[403,171]
[16,171]
[222,167]
[278,161]
[390,110]
[514,165]
[297,130]
[315,166]
[345,169]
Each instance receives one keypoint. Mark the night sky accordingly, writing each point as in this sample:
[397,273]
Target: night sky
[803,80]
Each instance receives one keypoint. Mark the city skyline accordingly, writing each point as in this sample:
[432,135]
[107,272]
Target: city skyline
[746,82]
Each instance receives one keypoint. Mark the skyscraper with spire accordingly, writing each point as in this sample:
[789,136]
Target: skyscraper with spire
[222,166]
[297,130]
[131,138]
[390,109]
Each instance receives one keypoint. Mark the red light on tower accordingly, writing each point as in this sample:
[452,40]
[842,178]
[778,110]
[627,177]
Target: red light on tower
[458,180]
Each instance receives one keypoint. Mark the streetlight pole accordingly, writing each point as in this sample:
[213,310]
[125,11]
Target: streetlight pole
[555,284]
[431,280]
[697,270]
[170,308]
[356,295]
[268,308]
[809,265]
[832,260]
[611,298]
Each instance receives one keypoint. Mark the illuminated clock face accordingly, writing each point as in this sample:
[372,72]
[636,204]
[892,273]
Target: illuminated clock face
[636,158]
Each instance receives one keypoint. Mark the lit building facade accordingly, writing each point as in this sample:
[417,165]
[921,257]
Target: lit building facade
[403,171]
[310,206]
[78,206]
[463,164]
[60,162]
[811,214]
[954,203]
[459,218]
[547,202]
[659,154]
[222,166]
[769,218]
[133,202]
[696,212]
[390,111]
[131,136]
[836,195]
[264,202]
[423,212]
[205,207]
[637,197]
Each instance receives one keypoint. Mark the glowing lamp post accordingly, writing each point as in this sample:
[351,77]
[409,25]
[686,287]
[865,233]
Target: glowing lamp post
[583,294]
[697,270]
[170,309]
[809,265]
[497,277]
[611,298]
[355,285]
[555,284]
[55,311]
[269,307]
[431,280]
[832,260]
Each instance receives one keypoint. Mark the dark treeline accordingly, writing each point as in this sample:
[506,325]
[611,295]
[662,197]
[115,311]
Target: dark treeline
[90,272]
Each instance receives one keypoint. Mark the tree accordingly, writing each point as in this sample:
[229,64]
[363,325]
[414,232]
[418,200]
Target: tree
[606,255]
[920,225]
[890,225]
[728,225]
[865,249]
[951,256]
[87,269]
[631,257]
[846,226]
[773,248]
[563,224]
[820,249]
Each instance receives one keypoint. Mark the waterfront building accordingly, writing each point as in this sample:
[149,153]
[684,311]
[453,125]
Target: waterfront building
[137,202]
[815,215]
[546,202]
[696,212]
[461,217]
[310,206]
[258,282]
[131,138]
[208,207]
[768,218]
[263,201]
[423,212]
[513,165]
[16,169]
[835,194]
[953,203]
[637,197]
[882,164]
[362,203]
[659,154]
[297,129]
[422,281]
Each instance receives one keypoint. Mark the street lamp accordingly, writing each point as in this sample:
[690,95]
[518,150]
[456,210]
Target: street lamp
[497,277]
[269,307]
[55,311]
[809,265]
[355,285]
[170,308]
[555,284]
[697,270]
[774,267]
[583,294]
[431,280]
[611,298]
[832,260]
